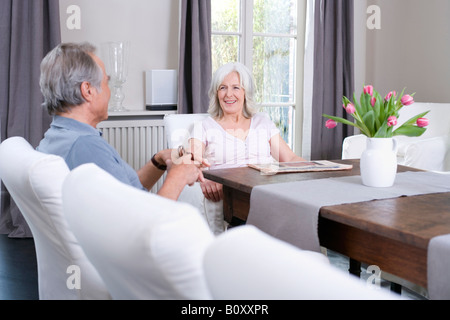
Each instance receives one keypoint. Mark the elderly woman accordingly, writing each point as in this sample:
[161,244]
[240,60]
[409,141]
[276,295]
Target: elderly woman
[235,135]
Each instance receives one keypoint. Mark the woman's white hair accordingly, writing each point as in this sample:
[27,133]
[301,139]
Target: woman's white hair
[246,82]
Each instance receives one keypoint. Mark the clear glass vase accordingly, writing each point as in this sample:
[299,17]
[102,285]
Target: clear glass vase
[116,59]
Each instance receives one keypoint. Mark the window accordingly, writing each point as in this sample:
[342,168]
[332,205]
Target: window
[262,34]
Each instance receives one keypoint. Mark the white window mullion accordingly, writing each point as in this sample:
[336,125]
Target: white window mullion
[307,78]
[277,104]
[274,35]
[226,33]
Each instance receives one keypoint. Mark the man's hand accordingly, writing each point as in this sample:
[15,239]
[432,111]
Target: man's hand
[185,170]
[181,155]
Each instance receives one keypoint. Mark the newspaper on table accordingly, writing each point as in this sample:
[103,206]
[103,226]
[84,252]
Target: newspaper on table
[300,166]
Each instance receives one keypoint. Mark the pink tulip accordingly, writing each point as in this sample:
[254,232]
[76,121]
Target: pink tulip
[389,95]
[422,122]
[373,101]
[330,124]
[407,100]
[350,108]
[392,121]
[368,90]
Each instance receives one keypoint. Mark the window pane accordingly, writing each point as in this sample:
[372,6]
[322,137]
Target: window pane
[226,49]
[275,16]
[282,117]
[274,69]
[225,15]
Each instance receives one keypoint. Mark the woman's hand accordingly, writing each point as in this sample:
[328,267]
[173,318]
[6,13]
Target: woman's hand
[212,190]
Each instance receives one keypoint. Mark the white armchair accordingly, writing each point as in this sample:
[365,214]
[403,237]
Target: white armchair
[35,180]
[179,126]
[178,129]
[144,246]
[270,269]
[431,151]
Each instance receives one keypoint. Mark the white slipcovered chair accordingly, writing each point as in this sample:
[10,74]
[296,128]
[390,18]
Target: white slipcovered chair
[143,245]
[178,128]
[246,264]
[431,151]
[35,180]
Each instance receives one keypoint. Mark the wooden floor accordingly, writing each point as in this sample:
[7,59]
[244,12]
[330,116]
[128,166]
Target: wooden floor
[18,269]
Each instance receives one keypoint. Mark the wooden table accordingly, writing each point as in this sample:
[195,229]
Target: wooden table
[392,233]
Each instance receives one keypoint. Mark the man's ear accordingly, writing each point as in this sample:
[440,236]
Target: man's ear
[87,91]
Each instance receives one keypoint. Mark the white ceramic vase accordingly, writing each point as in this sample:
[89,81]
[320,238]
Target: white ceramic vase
[378,162]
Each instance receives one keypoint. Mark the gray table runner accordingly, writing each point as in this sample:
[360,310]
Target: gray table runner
[289,211]
[439,268]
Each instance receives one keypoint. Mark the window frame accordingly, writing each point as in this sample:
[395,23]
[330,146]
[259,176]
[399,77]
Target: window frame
[246,35]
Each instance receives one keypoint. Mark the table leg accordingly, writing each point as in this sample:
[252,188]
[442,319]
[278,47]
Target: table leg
[355,267]
[397,288]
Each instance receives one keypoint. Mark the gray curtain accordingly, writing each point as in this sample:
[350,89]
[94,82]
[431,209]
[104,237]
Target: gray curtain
[333,74]
[195,56]
[28,30]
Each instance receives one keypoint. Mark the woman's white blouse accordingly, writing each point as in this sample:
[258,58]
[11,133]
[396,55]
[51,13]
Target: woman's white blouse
[224,150]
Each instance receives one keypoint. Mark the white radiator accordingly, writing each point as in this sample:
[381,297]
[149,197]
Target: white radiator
[136,140]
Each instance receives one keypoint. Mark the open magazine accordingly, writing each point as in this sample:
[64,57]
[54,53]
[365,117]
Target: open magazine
[300,166]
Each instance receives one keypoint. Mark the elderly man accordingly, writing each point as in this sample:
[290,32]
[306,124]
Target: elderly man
[75,88]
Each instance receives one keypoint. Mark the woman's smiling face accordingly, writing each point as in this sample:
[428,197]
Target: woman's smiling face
[231,94]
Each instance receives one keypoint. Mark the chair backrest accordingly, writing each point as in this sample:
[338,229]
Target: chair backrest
[179,126]
[143,245]
[438,115]
[35,180]
[430,151]
[270,269]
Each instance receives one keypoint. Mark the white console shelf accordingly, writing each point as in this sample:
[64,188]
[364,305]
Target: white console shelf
[141,113]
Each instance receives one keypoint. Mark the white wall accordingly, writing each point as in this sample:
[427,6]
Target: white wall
[151,26]
[412,48]
[360,35]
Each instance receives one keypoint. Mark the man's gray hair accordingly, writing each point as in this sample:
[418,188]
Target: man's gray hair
[63,70]
[246,82]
